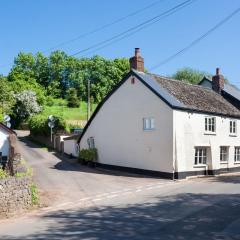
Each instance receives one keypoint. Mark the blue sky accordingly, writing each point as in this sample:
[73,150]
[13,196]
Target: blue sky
[32,26]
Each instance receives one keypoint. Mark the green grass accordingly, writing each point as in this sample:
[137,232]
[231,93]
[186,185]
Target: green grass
[60,108]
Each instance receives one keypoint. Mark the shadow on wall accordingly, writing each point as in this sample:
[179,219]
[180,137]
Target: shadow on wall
[185,216]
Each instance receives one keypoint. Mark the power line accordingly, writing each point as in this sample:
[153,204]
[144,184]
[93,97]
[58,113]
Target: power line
[137,30]
[98,29]
[219,24]
[141,25]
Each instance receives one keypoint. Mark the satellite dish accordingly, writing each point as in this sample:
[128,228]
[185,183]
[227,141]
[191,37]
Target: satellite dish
[7,118]
[51,124]
[51,118]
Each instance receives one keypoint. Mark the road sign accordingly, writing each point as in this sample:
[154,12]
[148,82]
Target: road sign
[7,118]
[51,118]
[51,124]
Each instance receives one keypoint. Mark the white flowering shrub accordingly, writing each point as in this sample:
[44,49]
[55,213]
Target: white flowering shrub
[26,104]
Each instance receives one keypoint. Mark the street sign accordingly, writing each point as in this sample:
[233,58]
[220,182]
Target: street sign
[51,118]
[51,124]
[7,118]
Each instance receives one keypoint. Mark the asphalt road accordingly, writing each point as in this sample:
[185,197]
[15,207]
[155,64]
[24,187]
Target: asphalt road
[91,204]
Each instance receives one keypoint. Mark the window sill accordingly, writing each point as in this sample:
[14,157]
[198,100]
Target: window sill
[148,130]
[236,163]
[200,166]
[224,162]
[210,133]
[232,135]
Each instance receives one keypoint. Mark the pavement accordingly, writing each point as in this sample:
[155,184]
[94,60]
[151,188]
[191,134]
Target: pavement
[84,203]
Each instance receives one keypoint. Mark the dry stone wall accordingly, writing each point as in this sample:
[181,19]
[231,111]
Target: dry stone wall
[15,195]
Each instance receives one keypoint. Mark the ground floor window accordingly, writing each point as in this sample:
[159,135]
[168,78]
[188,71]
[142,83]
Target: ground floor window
[237,154]
[200,155]
[223,154]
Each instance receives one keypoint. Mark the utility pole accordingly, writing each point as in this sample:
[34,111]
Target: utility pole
[88,101]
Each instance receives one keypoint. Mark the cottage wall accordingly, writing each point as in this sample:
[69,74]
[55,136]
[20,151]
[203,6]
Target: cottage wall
[118,132]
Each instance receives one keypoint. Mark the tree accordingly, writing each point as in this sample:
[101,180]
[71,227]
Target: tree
[6,97]
[190,75]
[25,107]
[72,98]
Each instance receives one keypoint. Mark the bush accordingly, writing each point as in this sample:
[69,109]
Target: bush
[38,125]
[49,101]
[34,194]
[3,174]
[73,101]
[89,155]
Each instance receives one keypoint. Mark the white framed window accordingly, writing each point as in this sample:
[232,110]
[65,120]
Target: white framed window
[223,154]
[237,154]
[200,155]
[210,124]
[148,123]
[233,127]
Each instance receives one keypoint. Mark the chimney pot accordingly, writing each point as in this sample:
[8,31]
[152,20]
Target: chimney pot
[137,62]
[217,71]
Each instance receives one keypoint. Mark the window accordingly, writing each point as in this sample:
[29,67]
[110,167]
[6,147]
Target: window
[237,154]
[223,154]
[210,124]
[200,155]
[90,142]
[148,124]
[233,127]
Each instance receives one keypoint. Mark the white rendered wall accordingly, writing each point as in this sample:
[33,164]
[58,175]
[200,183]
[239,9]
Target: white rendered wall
[70,147]
[190,132]
[4,144]
[118,130]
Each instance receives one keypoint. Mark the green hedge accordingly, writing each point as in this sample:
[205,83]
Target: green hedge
[38,125]
[88,154]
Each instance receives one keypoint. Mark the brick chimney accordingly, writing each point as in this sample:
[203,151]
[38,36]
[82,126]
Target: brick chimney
[218,82]
[137,62]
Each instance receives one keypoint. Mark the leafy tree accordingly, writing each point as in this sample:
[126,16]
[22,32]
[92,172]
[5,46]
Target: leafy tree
[25,107]
[190,75]
[72,98]
[6,97]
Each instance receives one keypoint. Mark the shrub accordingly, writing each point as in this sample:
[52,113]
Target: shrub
[49,101]
[38,125]
[73,101]
[3,174]
[88,154]
[34,194]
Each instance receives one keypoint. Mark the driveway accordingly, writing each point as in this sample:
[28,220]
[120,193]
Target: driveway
[103,205]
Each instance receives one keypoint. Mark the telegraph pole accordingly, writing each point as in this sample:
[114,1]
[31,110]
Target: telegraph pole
[88,100]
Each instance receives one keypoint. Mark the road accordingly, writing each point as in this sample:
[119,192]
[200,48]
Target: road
[93,204]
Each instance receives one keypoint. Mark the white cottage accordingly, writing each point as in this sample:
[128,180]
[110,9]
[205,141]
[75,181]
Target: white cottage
[160,126]
[4,142]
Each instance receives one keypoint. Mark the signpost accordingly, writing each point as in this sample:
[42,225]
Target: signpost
[6,120]
[51,124]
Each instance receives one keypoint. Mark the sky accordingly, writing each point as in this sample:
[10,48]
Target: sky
[32,26]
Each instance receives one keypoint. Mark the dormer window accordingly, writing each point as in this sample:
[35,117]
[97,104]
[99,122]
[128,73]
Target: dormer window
[210,124]
[233,127]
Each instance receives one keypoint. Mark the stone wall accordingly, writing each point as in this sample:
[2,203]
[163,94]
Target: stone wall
[15,195]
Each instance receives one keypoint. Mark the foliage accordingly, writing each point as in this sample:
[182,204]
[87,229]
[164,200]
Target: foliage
[3,174]
[25,107]
[72,98]
[190,75]
[34,194]
[49,101]
[88,154]
[38,124]
[59,72]
[6,97]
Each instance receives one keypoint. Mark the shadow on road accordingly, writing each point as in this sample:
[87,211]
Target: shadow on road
[226,179]
[185,216]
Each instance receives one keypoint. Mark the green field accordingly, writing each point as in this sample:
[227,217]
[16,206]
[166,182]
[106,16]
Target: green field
[69,114]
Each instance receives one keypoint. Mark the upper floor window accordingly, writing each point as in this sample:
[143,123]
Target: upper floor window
[223,154]
[148,124]
[210,124]
[200,155]
[237,154]
[233,127]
